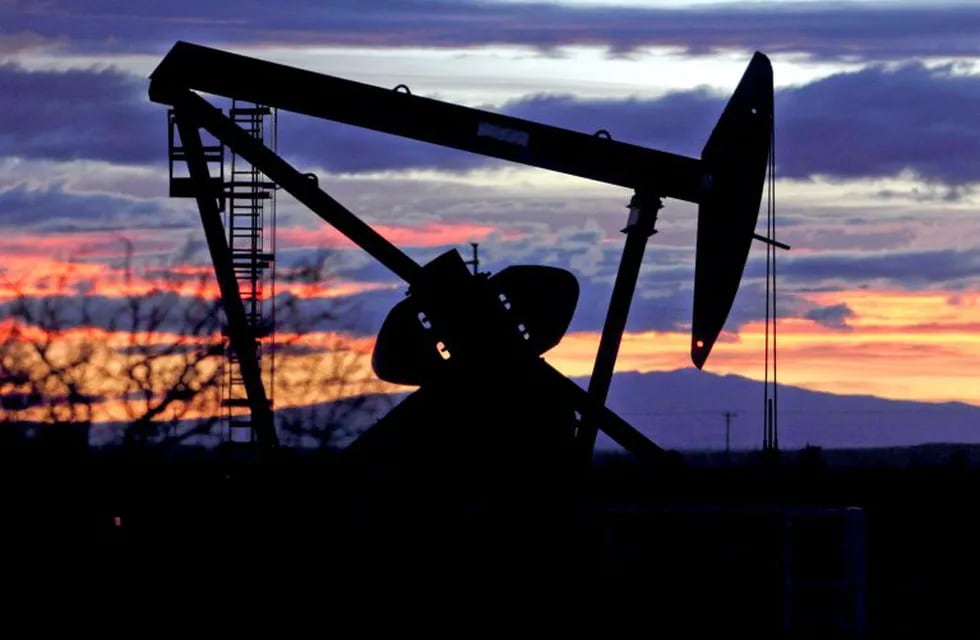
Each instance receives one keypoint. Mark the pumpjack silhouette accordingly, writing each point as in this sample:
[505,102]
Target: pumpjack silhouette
[493,428]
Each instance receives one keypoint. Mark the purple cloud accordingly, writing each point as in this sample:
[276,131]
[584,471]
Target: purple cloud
[53,210]
[65,115]
[832,316]
[947,269]
[829,31]
[877,122]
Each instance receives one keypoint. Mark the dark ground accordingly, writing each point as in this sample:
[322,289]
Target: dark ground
[701,547]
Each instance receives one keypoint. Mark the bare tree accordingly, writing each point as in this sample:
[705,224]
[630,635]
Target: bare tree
[169,367]
[44,373]
[146,359]
[151,361]
[316,359]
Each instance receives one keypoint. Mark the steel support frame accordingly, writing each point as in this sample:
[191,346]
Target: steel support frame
[193,109]
[242,339]
[594,157]
[641,224]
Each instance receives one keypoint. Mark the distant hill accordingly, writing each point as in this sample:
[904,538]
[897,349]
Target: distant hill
[681,410]
[684,409]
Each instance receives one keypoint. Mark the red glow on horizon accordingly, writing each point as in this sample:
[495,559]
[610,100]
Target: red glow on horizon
[101,263]
[427,234]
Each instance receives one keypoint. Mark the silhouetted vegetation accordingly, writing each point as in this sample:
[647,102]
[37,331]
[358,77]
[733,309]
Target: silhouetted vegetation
[144,366]
[696,537]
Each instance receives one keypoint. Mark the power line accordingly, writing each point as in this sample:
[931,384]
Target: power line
[770,437]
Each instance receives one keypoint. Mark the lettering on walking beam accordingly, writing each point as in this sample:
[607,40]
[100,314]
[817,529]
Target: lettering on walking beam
[504,134]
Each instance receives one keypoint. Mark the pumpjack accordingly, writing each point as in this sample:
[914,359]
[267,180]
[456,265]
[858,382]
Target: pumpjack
[491,422]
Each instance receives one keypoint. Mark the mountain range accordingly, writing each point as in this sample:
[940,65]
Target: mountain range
[685,409]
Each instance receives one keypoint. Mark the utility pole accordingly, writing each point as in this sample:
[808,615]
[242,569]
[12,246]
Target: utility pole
[475,262]
[729,416]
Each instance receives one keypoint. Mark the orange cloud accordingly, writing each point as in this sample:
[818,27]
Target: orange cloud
[901,345]
[94,363]
[37,276]
[94,263]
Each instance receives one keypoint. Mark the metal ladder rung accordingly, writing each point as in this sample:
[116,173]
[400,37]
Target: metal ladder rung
[258,256]
[256,110]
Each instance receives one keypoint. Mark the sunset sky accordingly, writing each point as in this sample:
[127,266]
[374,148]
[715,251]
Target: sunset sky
[877,164]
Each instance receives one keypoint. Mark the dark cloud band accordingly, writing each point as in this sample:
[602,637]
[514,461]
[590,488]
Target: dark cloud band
[865,31]
[98,114]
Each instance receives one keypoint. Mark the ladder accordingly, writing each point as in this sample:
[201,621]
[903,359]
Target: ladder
[250,224]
